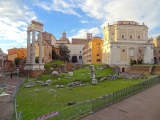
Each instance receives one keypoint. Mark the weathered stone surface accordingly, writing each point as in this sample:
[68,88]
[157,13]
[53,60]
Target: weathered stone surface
[103,66]
[61,86]
[70,74]
[76,83]
[49,81]
[133,75]
[29,84]
[57,86]
[94,81]
[55,73]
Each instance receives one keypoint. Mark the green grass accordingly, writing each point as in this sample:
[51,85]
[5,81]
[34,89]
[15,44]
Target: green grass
[54,62]
[39,100]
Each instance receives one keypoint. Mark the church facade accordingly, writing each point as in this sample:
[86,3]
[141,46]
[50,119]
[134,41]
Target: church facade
[125,41]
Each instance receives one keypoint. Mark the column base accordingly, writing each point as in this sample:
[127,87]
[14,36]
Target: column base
[34,66]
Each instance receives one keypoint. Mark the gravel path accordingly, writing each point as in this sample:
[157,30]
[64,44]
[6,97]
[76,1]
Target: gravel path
[6,101]
[142,106]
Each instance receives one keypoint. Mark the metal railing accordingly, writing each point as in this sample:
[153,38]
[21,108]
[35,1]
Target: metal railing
[18,115]
[90,106]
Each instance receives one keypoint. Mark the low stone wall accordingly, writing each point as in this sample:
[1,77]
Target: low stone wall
[35,73]
[156,70]
[140,69]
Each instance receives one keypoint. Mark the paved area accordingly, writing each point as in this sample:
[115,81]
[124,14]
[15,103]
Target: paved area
[142,106]
[6,101]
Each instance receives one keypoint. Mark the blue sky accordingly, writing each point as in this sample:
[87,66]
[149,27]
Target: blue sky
[76,17]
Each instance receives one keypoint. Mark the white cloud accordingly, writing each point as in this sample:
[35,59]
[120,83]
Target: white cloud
[111,11]
[66,7]
[82,33]
[84,21]
[14,20]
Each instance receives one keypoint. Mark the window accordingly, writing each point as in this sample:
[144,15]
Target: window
[98,60]
[79,51]
[138,36]
[123,50]
[122,36]
[131,52]
[130,36]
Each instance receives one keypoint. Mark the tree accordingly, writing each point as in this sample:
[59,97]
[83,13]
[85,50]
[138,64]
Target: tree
[64,52]
[37,59]
[54,55]
[17,61]
[140,53]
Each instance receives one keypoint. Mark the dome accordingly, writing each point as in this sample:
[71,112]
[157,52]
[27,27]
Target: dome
[64,38]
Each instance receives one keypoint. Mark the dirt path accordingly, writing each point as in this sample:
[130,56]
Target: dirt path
[6,101]
[142,106]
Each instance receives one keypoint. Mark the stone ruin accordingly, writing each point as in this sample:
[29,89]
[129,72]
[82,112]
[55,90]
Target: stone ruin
[128,75]
[33,83]
[109,77]
[103,66]
[92,75]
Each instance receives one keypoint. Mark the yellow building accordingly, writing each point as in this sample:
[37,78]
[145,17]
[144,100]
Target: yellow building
[56,50]
[17,52]
[125,40]
[92,51]
[157,49]
[46,51]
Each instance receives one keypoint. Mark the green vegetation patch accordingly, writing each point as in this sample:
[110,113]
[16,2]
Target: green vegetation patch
[40,100]
[53,63]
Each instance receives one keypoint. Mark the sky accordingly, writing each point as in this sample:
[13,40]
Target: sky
[75,17]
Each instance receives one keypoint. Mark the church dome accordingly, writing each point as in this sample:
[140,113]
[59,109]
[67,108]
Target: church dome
[64,38]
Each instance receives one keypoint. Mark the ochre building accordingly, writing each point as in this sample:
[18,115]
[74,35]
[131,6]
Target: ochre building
[156,42]
[17,52]
[92,51]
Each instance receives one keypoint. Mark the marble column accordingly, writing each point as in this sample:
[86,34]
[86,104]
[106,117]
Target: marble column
[33,47]
[40,48]
[28,47]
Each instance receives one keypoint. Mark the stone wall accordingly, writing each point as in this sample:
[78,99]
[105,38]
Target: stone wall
[8,66]
[140,69]
[156,70]
[30,73]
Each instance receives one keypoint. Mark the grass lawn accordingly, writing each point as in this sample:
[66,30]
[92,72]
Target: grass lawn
[55,62]
[39,100]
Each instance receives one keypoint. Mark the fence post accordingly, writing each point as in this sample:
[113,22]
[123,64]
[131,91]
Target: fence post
[15,109]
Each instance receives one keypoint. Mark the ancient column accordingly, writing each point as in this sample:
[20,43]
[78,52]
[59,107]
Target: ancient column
[40,48]
[33,47]
[28,46]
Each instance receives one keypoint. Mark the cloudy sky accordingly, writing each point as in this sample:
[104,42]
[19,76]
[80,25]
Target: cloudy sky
[76,17]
